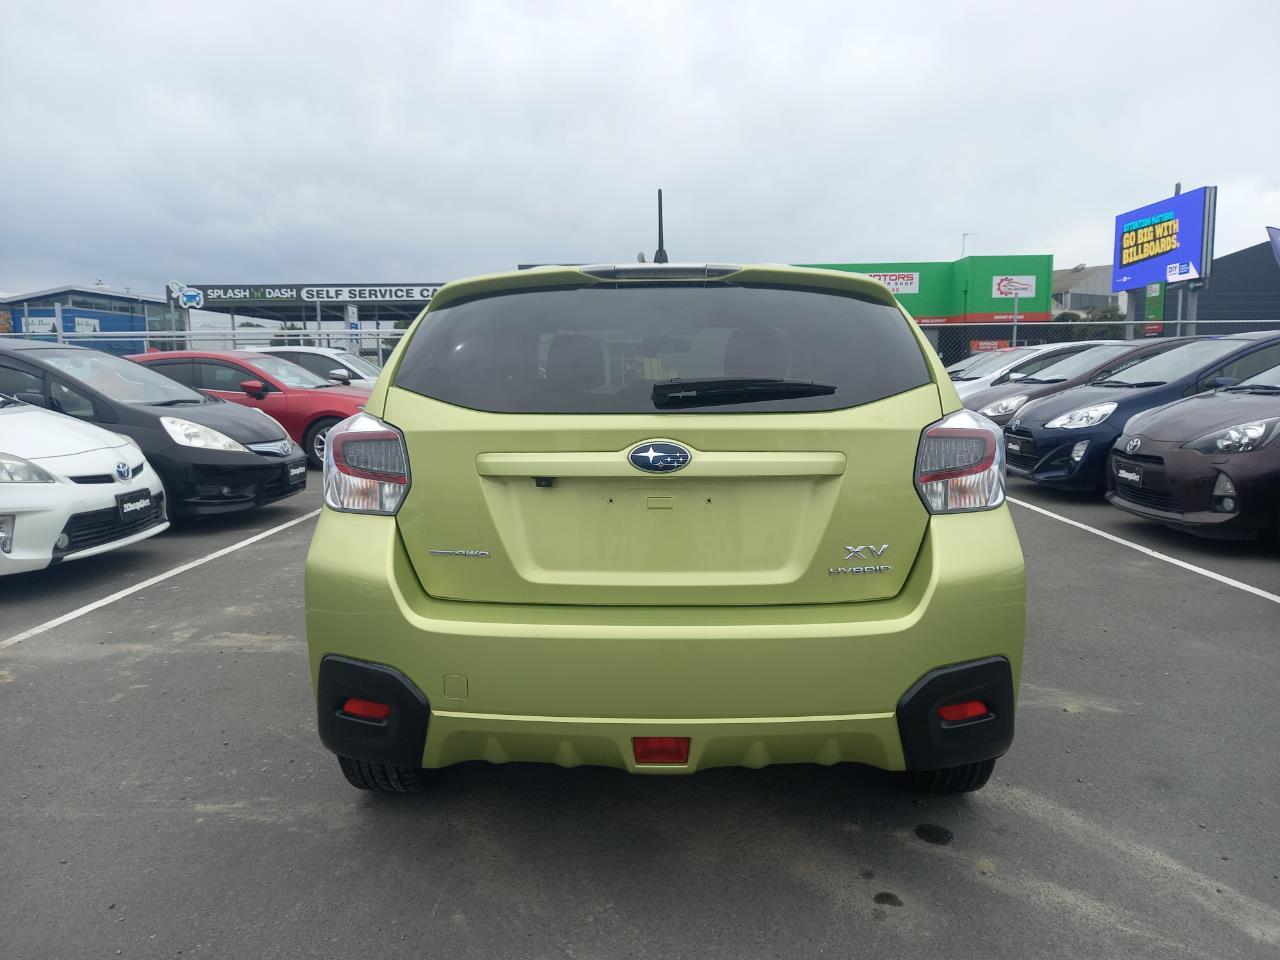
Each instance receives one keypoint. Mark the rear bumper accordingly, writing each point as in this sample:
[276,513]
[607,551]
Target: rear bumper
[750,686]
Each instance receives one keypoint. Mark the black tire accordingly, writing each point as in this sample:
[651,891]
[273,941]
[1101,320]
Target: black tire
[381,778]
[962,779]
[313,441]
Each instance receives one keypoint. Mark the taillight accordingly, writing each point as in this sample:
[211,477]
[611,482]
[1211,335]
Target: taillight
[366,466]
[960,464]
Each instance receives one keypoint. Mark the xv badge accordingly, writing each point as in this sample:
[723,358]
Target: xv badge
[856,553]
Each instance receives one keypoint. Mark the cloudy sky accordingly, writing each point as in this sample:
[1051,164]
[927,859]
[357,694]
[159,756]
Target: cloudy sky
[368,141]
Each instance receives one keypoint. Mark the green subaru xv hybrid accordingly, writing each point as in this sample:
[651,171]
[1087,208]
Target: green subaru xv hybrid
[663,518]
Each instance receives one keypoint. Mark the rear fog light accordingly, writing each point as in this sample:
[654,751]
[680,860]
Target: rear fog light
[366,709]
[957,712]
[672,750]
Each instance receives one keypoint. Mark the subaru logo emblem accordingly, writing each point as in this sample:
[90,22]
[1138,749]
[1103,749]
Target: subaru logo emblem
[1133,445]
[658,456]
[123,473]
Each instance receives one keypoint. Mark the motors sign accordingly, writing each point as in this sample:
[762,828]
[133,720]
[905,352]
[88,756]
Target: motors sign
[1169,241]
[899,282]
[318,293]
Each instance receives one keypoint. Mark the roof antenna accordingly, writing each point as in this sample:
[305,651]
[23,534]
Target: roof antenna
[660,255]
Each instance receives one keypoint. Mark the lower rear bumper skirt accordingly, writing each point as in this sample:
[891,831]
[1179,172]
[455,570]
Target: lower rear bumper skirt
[929,743]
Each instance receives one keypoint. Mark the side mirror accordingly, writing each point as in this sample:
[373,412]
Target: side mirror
[1219,382]
[254,388]
[340,374]
[1016,376]
[35,399]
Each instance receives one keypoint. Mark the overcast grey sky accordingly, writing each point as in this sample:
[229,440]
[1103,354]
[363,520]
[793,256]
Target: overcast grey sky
[366,141]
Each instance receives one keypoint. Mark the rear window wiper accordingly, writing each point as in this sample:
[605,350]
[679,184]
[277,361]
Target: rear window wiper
[716,390]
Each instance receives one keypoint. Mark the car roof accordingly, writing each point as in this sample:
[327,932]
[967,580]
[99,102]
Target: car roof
[17,346]
[201,355]
[300,349]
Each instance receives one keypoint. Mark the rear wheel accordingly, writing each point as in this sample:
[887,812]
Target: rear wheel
[962,779]
[381,778]
[314,442]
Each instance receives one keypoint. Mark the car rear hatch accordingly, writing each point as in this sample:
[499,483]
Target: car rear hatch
[782,423]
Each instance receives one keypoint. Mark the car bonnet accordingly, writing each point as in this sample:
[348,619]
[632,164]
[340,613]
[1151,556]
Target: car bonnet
[242,424]
[1204,413]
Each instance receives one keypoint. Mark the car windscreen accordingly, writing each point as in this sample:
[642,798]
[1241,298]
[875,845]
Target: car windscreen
[635,349]
[1176,363]
[994,361]
[288,372]
[1078,363]
[118,379]
[1267,378]
[359,365]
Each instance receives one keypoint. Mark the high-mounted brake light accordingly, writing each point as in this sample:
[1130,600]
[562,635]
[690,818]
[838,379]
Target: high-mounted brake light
[960,464]
[366,466]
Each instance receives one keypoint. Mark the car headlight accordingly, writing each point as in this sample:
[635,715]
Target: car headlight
[1082,417]
[16,470]
[1241,438]
[1001,407]
[190,434]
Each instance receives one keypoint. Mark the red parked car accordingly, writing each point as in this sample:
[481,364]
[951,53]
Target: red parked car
[306,405]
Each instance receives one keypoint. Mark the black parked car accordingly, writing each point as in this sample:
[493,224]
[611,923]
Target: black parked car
[1209,464]
[1063,440]
[213,456]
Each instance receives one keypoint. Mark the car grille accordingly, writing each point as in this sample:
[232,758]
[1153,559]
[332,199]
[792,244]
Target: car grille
[96,527]
[1154,499]
[1027,457]
[105,477]
[280,485]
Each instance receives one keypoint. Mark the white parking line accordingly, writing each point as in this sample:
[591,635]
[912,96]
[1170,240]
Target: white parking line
[159,578]
[1247,588]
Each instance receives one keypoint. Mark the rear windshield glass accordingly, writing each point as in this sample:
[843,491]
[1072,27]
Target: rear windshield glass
[604,349]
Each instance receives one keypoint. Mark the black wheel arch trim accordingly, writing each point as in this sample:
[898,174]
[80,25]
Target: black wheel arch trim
[928,743]
[399,740]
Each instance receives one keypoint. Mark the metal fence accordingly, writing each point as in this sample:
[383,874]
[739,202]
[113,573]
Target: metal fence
[376,345]
[955,341]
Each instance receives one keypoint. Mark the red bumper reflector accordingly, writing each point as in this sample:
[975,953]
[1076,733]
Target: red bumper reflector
[660,749]
[366,709]
[969,710]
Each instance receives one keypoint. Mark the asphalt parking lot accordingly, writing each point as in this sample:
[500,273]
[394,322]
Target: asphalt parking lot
[164,793]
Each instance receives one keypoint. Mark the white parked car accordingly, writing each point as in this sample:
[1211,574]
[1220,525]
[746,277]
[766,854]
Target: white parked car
[69,489]
[341,366]
[1013,363]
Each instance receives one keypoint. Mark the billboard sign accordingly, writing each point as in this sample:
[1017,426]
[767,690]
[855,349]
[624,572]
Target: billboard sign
[315,293]
[1169,241]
